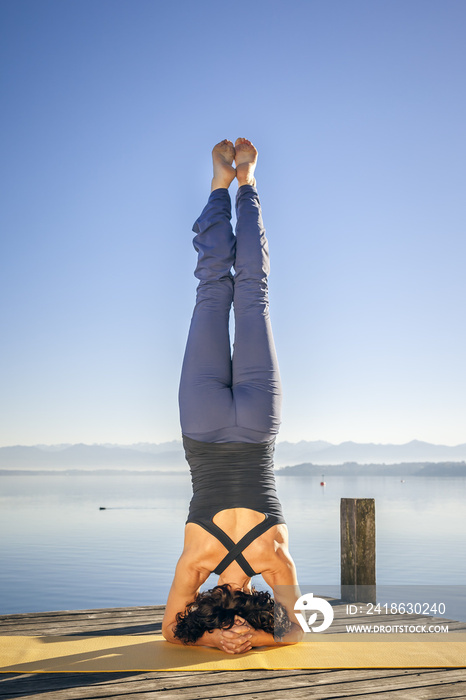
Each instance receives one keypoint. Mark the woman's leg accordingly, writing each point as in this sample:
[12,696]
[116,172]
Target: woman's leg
[205,396]
[256,377]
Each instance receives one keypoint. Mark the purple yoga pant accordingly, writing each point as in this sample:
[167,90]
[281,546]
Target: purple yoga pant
[224,396]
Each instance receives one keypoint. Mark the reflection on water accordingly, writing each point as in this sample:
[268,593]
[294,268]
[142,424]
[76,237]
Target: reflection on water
[60,551]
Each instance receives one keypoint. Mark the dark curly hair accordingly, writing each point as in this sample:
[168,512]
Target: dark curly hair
[217,607]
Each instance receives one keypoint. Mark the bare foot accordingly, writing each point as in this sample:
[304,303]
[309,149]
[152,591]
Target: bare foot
[223,155]
[246,159]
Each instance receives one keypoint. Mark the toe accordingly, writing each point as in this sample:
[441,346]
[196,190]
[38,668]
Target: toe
[243,142]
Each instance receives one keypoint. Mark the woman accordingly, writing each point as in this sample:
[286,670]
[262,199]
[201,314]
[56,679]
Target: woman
[230,416]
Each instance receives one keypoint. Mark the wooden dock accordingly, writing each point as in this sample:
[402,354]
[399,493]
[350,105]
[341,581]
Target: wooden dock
[367,684]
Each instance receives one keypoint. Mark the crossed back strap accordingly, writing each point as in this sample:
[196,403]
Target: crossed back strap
[235,549]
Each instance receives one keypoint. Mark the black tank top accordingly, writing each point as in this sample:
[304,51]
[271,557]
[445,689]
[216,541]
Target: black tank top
[232,475]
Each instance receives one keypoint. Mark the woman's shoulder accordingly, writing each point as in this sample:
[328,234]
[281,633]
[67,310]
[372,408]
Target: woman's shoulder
[200,550]
[277,564]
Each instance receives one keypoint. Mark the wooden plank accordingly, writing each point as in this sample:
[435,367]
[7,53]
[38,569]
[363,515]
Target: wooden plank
[444,692]
[91,630]
[84,614]
[50,681]
[323,685]
[436,693]
[83,619]
[91,611]
[319,685]
[139,621]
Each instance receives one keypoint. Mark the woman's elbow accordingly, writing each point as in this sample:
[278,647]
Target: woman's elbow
[167,634]
[298,634]
[294,636]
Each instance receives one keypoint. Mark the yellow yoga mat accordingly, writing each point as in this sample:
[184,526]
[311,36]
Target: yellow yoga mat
[153,653]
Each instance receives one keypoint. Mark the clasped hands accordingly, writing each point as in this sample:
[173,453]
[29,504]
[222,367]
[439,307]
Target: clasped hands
[236,640]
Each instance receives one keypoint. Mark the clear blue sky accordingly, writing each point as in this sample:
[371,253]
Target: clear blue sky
[110,109]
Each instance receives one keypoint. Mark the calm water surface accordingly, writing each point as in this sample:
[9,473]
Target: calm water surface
[60,552]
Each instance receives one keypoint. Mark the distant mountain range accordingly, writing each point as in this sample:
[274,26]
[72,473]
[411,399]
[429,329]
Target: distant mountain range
[325,453]
[169,456]
[162,457]
[401,469]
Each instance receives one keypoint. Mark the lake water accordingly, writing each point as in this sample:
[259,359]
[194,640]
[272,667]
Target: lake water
[58,551]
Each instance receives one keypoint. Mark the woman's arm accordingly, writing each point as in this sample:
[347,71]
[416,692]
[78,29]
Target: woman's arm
[265,639]
[185,587]
[284,583]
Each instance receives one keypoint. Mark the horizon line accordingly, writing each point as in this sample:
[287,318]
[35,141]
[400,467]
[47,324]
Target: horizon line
[175,440]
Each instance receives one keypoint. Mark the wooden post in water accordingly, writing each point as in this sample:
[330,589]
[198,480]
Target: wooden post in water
[357,528]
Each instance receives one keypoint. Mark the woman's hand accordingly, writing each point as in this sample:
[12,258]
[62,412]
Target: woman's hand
[236,640]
